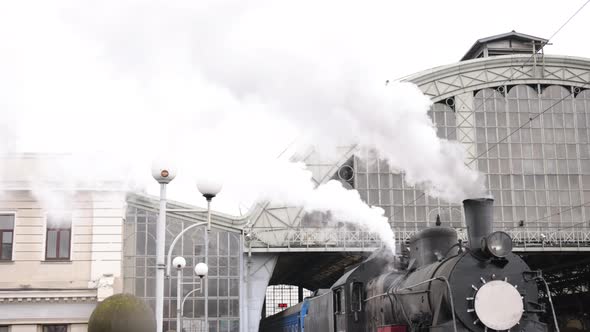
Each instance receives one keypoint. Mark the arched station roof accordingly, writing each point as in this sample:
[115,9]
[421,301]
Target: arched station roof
[447,81]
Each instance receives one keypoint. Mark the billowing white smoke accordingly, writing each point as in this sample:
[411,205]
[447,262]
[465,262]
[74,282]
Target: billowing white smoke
[223,83]
[297,188]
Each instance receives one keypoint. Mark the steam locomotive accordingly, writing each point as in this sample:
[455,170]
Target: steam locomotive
[441,285]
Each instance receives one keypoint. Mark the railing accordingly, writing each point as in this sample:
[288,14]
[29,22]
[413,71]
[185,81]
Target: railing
[312,238]
[350,240]
[193,324]
[550,238]
[546,237]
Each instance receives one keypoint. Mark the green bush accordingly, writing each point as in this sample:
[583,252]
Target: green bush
[122,313]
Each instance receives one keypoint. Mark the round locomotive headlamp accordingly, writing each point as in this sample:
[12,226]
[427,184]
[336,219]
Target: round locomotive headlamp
[498,305]
[498,244]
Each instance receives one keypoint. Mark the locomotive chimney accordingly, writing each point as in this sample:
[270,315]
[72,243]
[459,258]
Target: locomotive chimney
[479,215]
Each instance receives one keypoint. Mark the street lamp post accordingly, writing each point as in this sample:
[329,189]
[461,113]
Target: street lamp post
[198,269]
[179,263]
[201,270]
[163,175]
[209,189]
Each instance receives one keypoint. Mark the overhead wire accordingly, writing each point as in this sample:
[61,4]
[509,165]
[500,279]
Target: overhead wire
[555,214]
[504,138]
[522,66]
[569,19]
[509,135]
[537,50]
[519,128]
[501,85]
[560,212]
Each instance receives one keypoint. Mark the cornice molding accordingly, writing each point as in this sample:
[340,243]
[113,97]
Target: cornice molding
[48,296]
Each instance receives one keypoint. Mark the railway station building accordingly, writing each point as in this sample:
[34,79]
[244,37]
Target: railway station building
[56,262]
[523,117]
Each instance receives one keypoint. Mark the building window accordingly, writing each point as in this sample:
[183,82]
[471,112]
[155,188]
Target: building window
[55,328]
[59,231]
[6,237]
[3,328]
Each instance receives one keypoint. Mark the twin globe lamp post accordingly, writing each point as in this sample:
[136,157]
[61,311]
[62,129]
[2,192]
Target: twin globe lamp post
[201,271]
[209,189]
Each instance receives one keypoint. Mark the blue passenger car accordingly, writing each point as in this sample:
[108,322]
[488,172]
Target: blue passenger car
[288,320]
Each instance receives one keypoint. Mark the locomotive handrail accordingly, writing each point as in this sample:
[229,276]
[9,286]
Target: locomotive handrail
[375,296]
[551,303]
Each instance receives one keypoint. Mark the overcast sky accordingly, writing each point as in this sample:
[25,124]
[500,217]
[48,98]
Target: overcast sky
[434,33]
[226,85]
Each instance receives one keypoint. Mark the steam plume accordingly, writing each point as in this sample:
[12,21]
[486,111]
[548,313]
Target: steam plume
[227,83]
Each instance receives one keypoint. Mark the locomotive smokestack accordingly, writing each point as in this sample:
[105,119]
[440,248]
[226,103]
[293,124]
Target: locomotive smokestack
[479,215]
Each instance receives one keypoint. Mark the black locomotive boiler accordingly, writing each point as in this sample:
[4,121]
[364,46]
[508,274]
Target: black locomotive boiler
[442,285]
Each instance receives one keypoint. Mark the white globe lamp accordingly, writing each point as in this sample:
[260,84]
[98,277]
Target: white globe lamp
[162,172]
[209,187]
[179,262]
[201,270]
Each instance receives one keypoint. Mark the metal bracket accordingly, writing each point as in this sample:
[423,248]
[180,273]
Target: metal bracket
[534,307]
[536,275]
